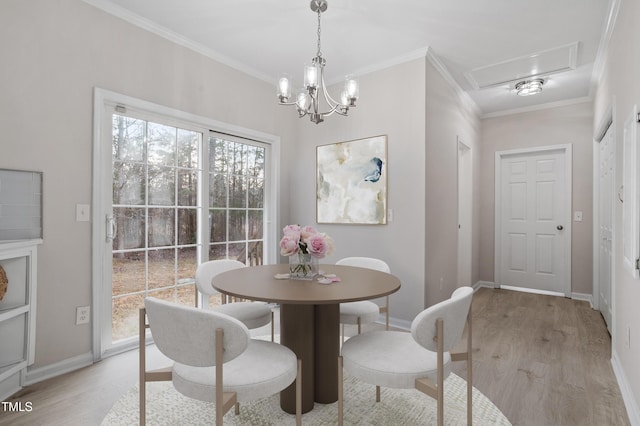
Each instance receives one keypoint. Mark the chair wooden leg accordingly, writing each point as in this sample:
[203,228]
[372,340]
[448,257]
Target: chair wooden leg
[387,315]
[359,325]
[219,386]
[237,408]
[377,393]
[469,371]
[142,366]
[299,394]
[440,389]
[340,392]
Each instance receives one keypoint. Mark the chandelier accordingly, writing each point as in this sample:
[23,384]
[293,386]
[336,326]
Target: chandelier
[310,97]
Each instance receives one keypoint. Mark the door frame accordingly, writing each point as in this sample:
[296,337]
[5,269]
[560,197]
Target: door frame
[465,214]
[607,123]
[104,103]
[567,148]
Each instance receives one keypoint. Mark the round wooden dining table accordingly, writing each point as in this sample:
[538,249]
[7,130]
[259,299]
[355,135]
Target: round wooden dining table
[309,317]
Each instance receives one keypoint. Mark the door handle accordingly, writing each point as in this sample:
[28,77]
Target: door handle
[559,227]
[112,228]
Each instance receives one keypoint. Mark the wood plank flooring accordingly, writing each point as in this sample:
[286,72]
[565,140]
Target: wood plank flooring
[542,360]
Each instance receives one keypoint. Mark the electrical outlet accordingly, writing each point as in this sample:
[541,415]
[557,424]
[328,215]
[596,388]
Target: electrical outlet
[628,337]
[82,315]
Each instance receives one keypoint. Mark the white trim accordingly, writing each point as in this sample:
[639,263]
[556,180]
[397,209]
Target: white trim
[532,290]
[630,401]
[395,322]
[585,297]
[603,46]
[159,30]
[568,154]
[540,107]
[464,97]
[35,375]
[485,284]
[107,99]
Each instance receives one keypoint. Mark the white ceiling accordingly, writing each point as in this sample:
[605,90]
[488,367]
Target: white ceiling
[269,37]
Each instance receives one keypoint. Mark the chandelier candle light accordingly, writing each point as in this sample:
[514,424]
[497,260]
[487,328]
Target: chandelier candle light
[308,99]
[304,246]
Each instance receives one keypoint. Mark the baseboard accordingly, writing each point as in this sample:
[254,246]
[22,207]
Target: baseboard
[395,322]
[35,375]
[584,297]
[481,284]
[625,389]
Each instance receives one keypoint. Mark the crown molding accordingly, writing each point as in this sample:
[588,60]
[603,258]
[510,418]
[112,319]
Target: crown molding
[549,105]
[603,47]
[442,69]
[174,37]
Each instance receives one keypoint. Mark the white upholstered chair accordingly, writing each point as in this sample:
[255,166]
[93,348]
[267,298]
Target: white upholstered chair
[215,360]
[419,359]
[363,312]
[253,315]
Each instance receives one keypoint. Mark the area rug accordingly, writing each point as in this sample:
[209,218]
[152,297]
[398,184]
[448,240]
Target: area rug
[407,407]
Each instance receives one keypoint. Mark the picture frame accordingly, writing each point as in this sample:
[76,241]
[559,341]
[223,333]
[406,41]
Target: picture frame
[351,182]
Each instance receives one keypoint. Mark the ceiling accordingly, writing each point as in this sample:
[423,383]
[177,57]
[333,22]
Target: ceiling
[489,40]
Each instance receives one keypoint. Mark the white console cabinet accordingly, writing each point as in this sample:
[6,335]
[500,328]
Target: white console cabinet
[17,313]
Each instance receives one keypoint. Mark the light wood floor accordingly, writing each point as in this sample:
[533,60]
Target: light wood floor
[542,360]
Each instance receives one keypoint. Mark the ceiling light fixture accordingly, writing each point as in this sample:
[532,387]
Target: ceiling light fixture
[530,87]
[309,97]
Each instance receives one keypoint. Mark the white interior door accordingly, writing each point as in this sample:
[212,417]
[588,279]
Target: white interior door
[605,225]
[464,214]
[533,222]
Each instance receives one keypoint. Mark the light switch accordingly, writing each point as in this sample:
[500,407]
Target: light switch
[83,211]
[577,216]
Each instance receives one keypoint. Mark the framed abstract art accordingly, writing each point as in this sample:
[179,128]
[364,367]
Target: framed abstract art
[351,182]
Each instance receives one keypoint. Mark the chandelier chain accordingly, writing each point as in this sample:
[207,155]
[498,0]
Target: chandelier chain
[319,53]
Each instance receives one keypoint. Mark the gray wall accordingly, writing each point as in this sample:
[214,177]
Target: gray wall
[53,55]
[619,89]
[570,124]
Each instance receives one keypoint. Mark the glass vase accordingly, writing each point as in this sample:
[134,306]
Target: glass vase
[302,266]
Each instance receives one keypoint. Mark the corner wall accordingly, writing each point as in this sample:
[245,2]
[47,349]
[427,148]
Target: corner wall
[386,107]
[619,89]
[54,54]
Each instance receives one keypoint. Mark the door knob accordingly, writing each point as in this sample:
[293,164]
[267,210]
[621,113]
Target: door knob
[559,227]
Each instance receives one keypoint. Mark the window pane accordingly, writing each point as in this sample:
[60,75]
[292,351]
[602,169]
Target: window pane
[218,156]
[186,295]
[128,183]
[237,225]
[187,187]
[162,268]
[256,193]
[161,186]
[239,156]
[218,185]
[188,152]
[255,225]
[125,316]
[187,226]
[255,166]
[217,251]
[255,253]
[128,138]
[187,264]
[128,275]
[161,227]
[238,251]
[130,227]
[218,223]
[162,144]
[238,192]
[168,294]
